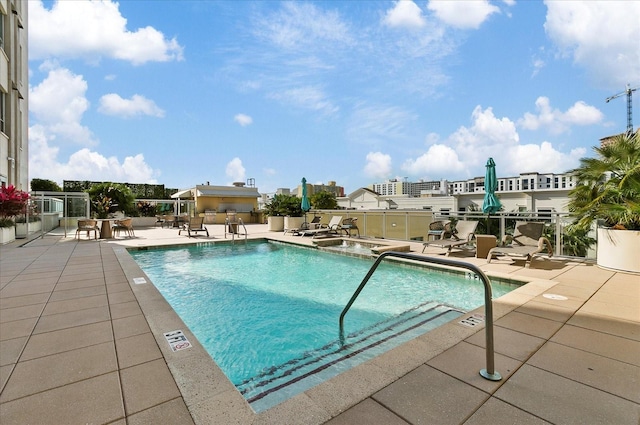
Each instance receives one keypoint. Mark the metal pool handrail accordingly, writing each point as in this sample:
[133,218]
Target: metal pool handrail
[488,373]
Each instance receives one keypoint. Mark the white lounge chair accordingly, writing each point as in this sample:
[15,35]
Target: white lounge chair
[527,241]
[332,227]
[463,235]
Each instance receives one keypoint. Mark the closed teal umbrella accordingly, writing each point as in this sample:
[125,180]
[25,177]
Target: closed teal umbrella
[491,202]
[304,203]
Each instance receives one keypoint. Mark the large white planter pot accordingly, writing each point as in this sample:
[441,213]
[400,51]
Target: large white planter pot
[22,229]
[7,234]
[293,222]
[619,250]
[275,224]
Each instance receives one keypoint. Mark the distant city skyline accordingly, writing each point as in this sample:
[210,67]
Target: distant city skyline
[181,93]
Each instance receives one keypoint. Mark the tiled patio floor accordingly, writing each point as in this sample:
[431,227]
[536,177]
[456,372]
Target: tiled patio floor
[81,343]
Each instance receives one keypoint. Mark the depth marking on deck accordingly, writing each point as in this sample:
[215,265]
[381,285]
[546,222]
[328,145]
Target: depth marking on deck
[177,340]
[473,320]
[139,280]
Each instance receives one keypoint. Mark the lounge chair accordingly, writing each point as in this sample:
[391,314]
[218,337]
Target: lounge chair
[312,225]
[527,241]
[169,221]
[325,230]
[194,225]
[125,225]
[463,234]
[87,225]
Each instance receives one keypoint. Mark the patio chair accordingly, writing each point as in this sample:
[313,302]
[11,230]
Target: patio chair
[349,224]
[325,230]
[439,230]
[124,225]
[462,235]
[169,221]
[87,225]
[527,241]
[195,225]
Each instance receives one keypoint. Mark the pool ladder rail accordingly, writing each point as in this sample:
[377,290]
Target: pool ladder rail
[488,373]
[232,227]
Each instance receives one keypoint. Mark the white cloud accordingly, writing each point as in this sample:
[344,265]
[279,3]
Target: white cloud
[91,30]
[440,161]
[405,14]
[84,164]
[557,121]
[378,165]
[235,170]
[113,104]
[58,104]
[312,98]
[463,14]
[601,36]
[243,120]
[373,125]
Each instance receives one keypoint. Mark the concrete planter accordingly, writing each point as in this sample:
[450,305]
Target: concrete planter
[293,222]
[618,250]
[24,229]
[275,224]
[7,234]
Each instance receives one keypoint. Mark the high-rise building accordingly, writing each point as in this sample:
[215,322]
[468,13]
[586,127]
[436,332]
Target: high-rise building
[14,91]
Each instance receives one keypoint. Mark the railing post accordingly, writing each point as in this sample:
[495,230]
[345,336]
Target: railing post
[488,373]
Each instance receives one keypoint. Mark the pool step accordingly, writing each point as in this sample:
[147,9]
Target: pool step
[315,366]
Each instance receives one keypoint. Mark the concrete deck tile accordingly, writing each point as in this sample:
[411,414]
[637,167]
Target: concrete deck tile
[171,412]
[19,313]
[67,339]
[464,361]
[58,307]
[558,312]
[137,350]
[516,345]
[614,311]
[564,401]
[71,319]
[118,287]
[130,326]
[77,284]
[367,412]
[528,324]
[572,292]
[429,396]
[17,328]
[68,294]
[23,300]
[629,299]
[612,376]
[571,303]
[301,412]
[95,400]
[13,290]
[45,373]
[125,309]
[497,412]
[121,297]
[10,350]
[582,283]
[614,347]
[147,385]
[5,372]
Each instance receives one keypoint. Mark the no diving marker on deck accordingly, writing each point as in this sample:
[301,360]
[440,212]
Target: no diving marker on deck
[177,340]
[473,320]
[139,280]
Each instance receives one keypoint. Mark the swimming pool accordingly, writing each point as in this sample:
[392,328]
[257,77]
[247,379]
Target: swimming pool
[268,312]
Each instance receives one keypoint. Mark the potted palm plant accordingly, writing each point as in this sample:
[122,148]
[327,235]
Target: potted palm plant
[608,192]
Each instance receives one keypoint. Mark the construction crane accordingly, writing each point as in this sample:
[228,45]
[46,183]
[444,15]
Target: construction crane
[629,91]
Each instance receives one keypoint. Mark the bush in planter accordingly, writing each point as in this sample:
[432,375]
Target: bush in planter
[12,202]
[6,222]
[145,209]
[608,187]
[284,205]
[109,197]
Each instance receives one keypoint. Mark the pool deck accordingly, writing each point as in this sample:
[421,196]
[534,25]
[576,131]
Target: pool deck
[81,342]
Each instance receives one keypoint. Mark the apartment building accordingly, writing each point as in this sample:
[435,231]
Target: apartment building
[14,91]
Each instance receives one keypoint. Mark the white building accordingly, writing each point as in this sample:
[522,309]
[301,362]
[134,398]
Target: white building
[14,90]
[530,191]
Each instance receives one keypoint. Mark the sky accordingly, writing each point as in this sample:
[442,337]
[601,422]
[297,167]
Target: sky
[357,92]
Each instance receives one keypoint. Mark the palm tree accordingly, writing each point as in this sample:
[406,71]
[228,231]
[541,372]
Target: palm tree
[608,186]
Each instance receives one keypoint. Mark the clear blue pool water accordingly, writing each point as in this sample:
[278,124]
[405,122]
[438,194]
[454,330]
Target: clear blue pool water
[268,312]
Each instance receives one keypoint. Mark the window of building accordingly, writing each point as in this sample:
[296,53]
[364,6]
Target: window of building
[3,111]
[444,211]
